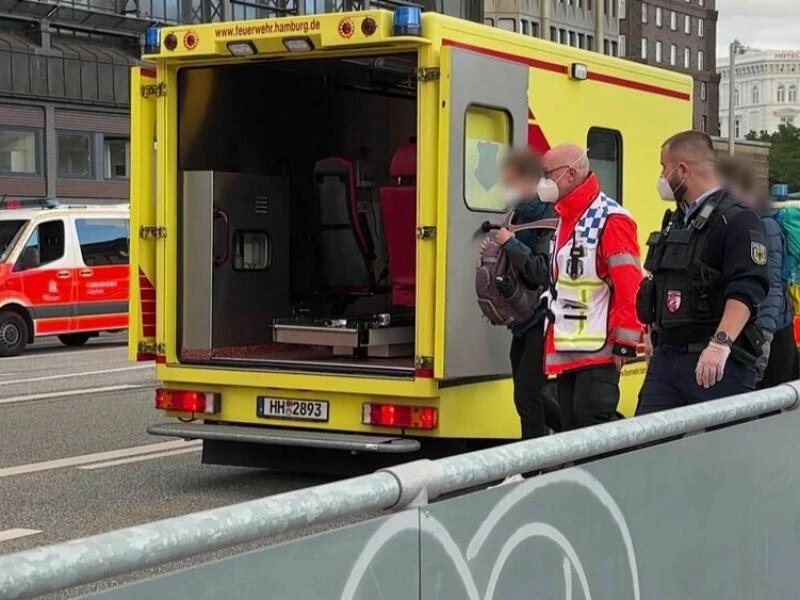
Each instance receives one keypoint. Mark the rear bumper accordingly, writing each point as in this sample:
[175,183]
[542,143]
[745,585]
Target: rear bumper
[287,437]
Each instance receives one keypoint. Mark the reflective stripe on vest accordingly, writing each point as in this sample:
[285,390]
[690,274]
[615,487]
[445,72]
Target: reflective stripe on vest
[582,297]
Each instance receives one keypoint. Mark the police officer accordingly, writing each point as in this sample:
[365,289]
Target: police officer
[708,274]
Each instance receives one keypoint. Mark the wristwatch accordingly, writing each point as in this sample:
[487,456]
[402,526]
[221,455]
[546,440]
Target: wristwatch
[722,338]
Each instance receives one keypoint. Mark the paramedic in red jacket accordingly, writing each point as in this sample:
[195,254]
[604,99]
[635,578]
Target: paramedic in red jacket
[593,329]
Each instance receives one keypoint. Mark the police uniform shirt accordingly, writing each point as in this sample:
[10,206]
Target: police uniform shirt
[736,247]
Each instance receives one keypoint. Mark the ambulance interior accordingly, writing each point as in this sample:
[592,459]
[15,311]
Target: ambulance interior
[297,212]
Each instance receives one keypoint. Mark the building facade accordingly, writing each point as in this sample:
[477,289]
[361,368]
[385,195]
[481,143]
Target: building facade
[680,35]
[766,91]
[64,83]
[589,24]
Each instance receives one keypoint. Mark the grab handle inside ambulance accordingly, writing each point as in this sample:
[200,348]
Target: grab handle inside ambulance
[221,259]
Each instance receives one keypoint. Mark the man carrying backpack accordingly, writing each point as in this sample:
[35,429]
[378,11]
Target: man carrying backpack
[528,252]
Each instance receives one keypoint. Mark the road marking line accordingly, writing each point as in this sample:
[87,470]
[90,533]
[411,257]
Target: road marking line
[85,459]
[134,459]
[34,353]
[13,534]
[82,374]
[69,393]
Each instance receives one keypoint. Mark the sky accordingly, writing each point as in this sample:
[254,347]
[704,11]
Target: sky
[758,23]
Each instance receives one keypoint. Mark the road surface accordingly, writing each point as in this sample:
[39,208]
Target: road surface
[75,458]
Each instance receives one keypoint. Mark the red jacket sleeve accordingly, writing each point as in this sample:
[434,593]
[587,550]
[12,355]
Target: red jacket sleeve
[619,253]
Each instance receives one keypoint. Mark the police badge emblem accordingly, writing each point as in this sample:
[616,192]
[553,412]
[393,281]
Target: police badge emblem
[758,252]
[673,300]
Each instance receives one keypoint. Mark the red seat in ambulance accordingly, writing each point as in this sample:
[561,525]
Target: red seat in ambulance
[399,213]
[347,247]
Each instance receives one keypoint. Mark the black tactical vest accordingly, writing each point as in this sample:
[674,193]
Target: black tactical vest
[686,290]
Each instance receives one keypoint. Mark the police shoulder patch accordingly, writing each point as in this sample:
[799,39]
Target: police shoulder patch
[758,252]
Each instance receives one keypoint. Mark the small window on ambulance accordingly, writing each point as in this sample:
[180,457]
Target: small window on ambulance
[45,245]
[251,250]
[104,241]
[605,153]
[487,137]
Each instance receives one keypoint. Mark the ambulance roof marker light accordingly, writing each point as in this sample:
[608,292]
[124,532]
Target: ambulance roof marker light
[243,48]
[298,44]
[407,21]
[152,39]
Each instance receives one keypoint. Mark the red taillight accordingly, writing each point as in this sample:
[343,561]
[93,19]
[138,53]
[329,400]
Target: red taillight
[369,26]
[187,401]
[401,415]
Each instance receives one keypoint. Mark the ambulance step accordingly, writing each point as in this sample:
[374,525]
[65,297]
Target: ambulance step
[287,437]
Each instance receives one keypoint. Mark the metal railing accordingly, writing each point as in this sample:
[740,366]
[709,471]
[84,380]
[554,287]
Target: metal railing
[64,565]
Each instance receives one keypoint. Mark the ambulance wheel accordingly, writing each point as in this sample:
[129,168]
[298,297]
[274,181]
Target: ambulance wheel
[75,339]
[13,333]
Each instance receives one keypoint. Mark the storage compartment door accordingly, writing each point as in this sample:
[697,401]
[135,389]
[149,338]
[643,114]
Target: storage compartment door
[144,230]
[484,111]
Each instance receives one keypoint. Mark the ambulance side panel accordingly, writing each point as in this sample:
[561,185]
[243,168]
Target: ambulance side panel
[142,297]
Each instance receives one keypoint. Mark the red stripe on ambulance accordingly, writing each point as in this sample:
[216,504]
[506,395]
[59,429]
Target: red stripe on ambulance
[147,300]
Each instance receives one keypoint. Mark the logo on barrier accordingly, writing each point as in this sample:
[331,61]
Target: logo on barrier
[484,569]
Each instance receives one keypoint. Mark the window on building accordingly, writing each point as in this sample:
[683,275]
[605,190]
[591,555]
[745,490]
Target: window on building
[526,28]
[736,97]
[673,54]
[700,28]
[645,10]
[562,36]
[507,24]
[488,21]
[75,155]
[487,133]
[18,151]
[553,34]
[737,128]
[605,153]
[703,91]
[623,9]
[781,95]
[754,95]
[787,120]
[700,61]
[573,41]
[104,241]
[623,45]
[44,246]
[687,24]
[659,48]
[117,152]
[703,123]
[606,47]
[534,29]
[590,42]
[673,21]
[581,40]
[687,58]
[614,49]
[659,16]
[793,93]
[644,48]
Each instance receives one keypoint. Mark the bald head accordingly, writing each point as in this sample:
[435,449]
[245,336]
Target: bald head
[689,164]
[567,165]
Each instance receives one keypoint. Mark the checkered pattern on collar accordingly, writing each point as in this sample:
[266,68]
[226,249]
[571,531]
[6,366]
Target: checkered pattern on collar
[591,223]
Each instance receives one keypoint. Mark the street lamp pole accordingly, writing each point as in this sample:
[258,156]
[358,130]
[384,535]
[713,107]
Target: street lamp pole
[735,46]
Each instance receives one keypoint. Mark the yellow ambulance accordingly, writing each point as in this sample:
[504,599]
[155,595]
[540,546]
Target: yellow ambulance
[308,198]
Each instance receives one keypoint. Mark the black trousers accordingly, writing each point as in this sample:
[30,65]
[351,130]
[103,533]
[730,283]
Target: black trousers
[534,395]
[783,365]
[588,396]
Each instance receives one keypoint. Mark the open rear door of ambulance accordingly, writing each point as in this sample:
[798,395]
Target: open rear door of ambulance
[144,233]
[484,112]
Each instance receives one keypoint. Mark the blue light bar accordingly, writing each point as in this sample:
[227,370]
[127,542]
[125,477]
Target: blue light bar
[407,21]
[152,39]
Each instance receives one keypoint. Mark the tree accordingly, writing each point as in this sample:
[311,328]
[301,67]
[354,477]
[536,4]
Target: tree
[784,154]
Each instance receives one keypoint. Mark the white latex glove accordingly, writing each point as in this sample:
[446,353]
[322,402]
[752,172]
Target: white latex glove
[711,366]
